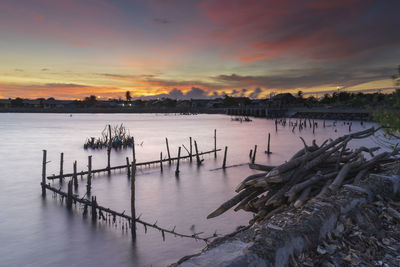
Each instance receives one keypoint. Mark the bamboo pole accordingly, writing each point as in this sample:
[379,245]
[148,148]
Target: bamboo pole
[52,177]
[224,162]
[215,143]
[133,210]
[61,165]
[268,147]
[128,168]
[109,150]
[133,149]
[191,149]
[75,176]
[44,173]
[177,165]
[89,179]
[169,155]
[254,154]
[94,211]
[197,153]
[161,160]
[69,195]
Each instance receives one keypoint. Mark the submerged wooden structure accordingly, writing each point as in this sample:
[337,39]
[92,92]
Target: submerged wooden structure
[108,215]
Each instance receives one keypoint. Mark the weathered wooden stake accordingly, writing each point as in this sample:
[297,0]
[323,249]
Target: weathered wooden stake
[109,150]
[44,173]
[161,159]
[324,124]
[69,195]
[268,148]
[251,153]
[197,153]
[254,154]
[61,166]
[133,210]
[224,162]
[177,164]
[215,143]
[191,149]
[313,128]
[276,125]
[169,155]
[75,176]
[94,211]
[133,149]
[128,167]
[89,179]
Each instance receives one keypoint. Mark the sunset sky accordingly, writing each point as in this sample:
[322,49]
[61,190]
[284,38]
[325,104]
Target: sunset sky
[69,49]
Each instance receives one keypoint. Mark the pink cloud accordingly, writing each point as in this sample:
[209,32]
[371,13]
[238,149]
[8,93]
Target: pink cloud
[267,30]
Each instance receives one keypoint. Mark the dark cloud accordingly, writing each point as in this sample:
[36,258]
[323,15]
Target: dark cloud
[44,69]
[176,94]
[306,78]
[60,85]
[196,93]
[256,92]
[162,21]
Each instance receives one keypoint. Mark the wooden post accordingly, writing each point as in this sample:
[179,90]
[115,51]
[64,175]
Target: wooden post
[75,176]
[191,149]
[254,154]
[69,195]
[276,125]
[268,148]
[133,210]
[161,165]
[61,166]
[109,150]
[324,124]
[177,164]
[128,167]
[169,155]
[197,153]
[215,143]
[94,211]
[89,178]
[44,162]
[224,162]
[313,128]
[251,153]
[133,149]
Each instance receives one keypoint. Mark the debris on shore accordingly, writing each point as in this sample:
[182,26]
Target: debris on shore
[119,135]
[312,173]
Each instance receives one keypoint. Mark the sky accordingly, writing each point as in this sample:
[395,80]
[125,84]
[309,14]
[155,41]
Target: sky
[70,49]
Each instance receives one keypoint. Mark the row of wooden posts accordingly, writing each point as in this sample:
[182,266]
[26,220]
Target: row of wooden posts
[131,169]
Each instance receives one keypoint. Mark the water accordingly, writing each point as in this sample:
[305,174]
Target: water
[42,232]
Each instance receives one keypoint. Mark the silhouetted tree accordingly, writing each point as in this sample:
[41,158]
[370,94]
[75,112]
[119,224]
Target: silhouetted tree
[128,96]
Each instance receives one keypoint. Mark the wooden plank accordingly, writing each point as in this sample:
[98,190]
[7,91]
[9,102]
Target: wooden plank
[124,166]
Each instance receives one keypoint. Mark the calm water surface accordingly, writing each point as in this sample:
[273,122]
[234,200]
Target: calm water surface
[42,232]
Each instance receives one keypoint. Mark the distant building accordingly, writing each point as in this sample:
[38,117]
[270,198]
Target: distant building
[282,100]
[32,103]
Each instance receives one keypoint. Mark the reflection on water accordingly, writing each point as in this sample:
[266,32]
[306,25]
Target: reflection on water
[42,232]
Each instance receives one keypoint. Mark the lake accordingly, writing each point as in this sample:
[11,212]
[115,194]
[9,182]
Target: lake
[42,232]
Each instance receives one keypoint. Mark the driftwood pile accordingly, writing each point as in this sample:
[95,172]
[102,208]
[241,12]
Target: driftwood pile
[314,172]
[120,138]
